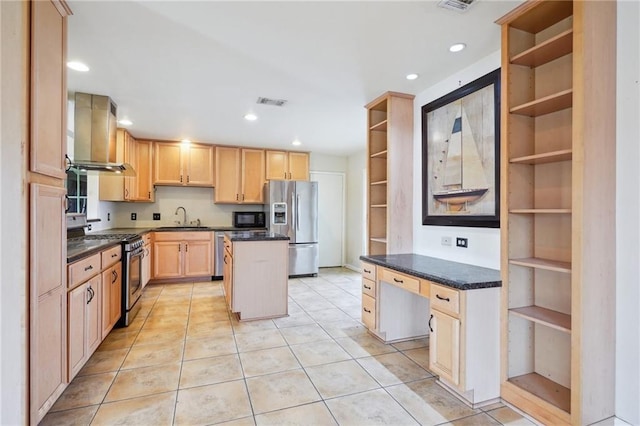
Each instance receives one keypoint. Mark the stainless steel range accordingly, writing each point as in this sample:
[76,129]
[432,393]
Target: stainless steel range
[132,254]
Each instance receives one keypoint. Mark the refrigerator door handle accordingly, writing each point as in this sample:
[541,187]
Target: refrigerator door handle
[297,213]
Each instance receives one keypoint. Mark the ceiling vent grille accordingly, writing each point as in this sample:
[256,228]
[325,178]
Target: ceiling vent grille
[273,102]
[457,5]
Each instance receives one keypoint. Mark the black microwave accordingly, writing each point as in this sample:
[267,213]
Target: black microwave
[249,220]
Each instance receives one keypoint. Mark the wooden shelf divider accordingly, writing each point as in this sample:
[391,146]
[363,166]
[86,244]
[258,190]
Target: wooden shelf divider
[549,265]
[548,390]
[546,105]
[544,316]
[545,157]
[540,211]
[547,51]
[379,127]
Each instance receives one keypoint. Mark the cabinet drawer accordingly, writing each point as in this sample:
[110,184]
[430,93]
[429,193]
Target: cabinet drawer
[369,312]
[369,287]
[404,281]
[147,238]
[445,299]
[368,271]
[82,270]
[111,256]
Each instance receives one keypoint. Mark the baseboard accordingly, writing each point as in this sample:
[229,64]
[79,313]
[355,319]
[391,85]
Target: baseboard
[353,268]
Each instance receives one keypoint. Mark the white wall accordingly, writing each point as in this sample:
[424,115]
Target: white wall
[356,164]
[327,163]
[484,243]
[13,208]
[627,216]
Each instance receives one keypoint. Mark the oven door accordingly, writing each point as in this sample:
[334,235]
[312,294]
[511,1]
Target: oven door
[134,277]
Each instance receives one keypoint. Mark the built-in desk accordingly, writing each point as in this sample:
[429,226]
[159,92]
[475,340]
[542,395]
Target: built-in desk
[407,296]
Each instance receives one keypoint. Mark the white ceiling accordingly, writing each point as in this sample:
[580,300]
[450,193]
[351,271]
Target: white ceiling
[182,69]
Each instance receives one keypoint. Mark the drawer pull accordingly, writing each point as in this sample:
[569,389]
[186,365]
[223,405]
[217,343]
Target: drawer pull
[367,271]
[430,318]
[443,298]
[398,281]
[114,255]
[367,287]
[367,310]
[88,268]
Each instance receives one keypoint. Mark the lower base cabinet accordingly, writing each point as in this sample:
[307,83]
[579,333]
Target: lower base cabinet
[85,333]
[182,254]
[444,346]
[111,298]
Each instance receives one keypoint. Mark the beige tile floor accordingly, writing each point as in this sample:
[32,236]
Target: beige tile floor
[186,361]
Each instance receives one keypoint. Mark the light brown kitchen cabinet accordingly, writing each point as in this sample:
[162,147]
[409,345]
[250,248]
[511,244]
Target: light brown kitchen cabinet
[182,254]
[180,164]
[444,346]
[287,165]
[139,155]
[46,145]
[558,103]
[85,332]
[111,297]
[227,273]
[239,175]
[146,260]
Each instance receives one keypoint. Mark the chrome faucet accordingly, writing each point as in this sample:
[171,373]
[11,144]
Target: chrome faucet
[184,222]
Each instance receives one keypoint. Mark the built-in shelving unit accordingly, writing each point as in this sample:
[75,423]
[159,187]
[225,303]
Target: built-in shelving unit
[558,223]
[390,172]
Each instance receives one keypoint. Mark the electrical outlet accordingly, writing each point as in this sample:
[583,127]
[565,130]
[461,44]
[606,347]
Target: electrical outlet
[446,241]
[156,216]
[462,242]
[134,216]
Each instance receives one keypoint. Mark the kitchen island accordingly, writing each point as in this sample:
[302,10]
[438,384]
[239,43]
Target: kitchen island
[255,274]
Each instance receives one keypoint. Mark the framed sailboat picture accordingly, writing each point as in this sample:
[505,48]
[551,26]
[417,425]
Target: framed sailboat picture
[461,156]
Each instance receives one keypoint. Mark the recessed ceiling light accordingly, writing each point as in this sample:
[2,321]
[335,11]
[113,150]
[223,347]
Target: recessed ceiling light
[125,122]
[77,66]
[412,76]
[296,142]
[457,47]
[186,141]
[251,117]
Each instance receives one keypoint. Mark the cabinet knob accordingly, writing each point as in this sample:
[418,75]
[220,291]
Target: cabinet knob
[367,287]
[430,318]
[398,281]
[187,178]
[367,271]
[443,298]
[88,268]
[180,178]
[186,247]
[115,276]
[366,310]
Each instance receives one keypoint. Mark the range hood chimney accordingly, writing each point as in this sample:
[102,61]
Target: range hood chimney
[95,135]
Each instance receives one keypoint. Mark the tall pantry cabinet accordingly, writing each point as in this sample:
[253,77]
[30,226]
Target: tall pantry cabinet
[45,178]
[558,217]
[390,174]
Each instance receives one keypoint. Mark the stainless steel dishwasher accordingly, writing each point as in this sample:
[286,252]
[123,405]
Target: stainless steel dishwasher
[219,251]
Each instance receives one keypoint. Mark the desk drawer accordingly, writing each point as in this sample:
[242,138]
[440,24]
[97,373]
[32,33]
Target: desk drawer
[369,312]
[403,281]
[111,256]
[369,287]
[82,270]
[445,299]
[368,271]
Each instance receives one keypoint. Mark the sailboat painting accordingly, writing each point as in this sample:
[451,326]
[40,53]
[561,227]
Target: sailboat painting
[460,140]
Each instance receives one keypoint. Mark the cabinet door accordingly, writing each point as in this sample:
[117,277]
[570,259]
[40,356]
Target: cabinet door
[199,168]
[227,175]
[197,258]
[94,315]
[277,165]
[130,157]
[444,346]
[298,166]
[146,265]
[167,169]
[78,299]
[252,176]
[167,259]
[144,179]
[111,298]
[48,88]
[228,279]
[48,296]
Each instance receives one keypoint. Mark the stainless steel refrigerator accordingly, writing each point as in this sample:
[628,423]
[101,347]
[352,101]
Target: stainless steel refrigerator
[292,210]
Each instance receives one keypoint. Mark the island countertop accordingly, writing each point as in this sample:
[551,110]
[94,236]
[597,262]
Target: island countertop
[457,275]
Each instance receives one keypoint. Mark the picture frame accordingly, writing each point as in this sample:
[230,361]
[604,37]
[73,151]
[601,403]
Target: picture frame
[461,156]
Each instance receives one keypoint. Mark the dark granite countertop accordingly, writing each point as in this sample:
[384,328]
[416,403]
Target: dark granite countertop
[460,276]
[80,249]
[255,236]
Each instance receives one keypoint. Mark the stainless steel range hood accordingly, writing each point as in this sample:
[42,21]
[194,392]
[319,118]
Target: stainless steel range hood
[95,135]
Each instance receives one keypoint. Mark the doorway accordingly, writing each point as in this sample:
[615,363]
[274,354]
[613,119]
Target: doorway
[331,203]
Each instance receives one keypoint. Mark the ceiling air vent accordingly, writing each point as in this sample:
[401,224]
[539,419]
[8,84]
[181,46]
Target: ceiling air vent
[274,102]
[457,5]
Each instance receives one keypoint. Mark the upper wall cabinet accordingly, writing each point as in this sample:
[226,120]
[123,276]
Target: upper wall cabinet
[239,175]
[283,165]
[139,155]
[558,210]
[178,164]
